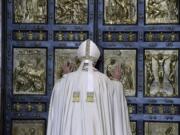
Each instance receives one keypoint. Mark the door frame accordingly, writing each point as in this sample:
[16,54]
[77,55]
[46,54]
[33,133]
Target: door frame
[3,14]
[1,71]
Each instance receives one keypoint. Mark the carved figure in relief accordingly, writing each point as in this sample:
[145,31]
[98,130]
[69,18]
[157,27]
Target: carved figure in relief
[149,72]
[30,11]
[29,71]
[126,73]
[161,72]
[120,11]
[71,11]
[127,78]
[160,58]
[110,67]
[161,11]
[126,60]
[154,9]
[27,76]
[172,72]
[161,128]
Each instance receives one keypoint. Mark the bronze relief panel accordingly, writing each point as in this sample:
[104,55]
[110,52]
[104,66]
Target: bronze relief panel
[71,11]
[30,11]
[120,11]
[161,73]
[28,127]
[161,128]
[65,57]
[126,59]
[29,71]
[161,11]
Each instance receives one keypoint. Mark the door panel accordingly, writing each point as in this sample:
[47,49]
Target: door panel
[40,35]
[142,36]
[144,26]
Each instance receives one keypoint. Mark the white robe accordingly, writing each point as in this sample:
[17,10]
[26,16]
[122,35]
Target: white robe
[107,115]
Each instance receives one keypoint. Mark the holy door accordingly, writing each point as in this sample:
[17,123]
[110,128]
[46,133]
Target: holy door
[142,36]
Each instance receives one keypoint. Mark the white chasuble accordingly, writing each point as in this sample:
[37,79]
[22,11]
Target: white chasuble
[107,114]
[87,102]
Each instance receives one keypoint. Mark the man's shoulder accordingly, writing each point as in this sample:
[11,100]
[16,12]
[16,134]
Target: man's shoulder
[64,77]
[74,74]
[102,75]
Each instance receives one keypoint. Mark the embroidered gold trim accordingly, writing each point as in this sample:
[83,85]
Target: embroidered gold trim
[90,97]
[76,96]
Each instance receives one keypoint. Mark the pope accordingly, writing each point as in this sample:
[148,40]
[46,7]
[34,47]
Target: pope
[87,102]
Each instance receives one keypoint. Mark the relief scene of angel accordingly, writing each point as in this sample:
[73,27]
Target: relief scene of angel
[126,59]
[161,11]
[120,11]
[71,11]
[161,73]
[30,11]
[29,71]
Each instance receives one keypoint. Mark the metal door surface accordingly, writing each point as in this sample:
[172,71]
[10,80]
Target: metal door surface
[141,36]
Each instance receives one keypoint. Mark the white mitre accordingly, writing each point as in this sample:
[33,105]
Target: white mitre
[88,51]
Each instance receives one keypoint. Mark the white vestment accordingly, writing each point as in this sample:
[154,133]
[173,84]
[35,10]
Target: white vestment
[106,115]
